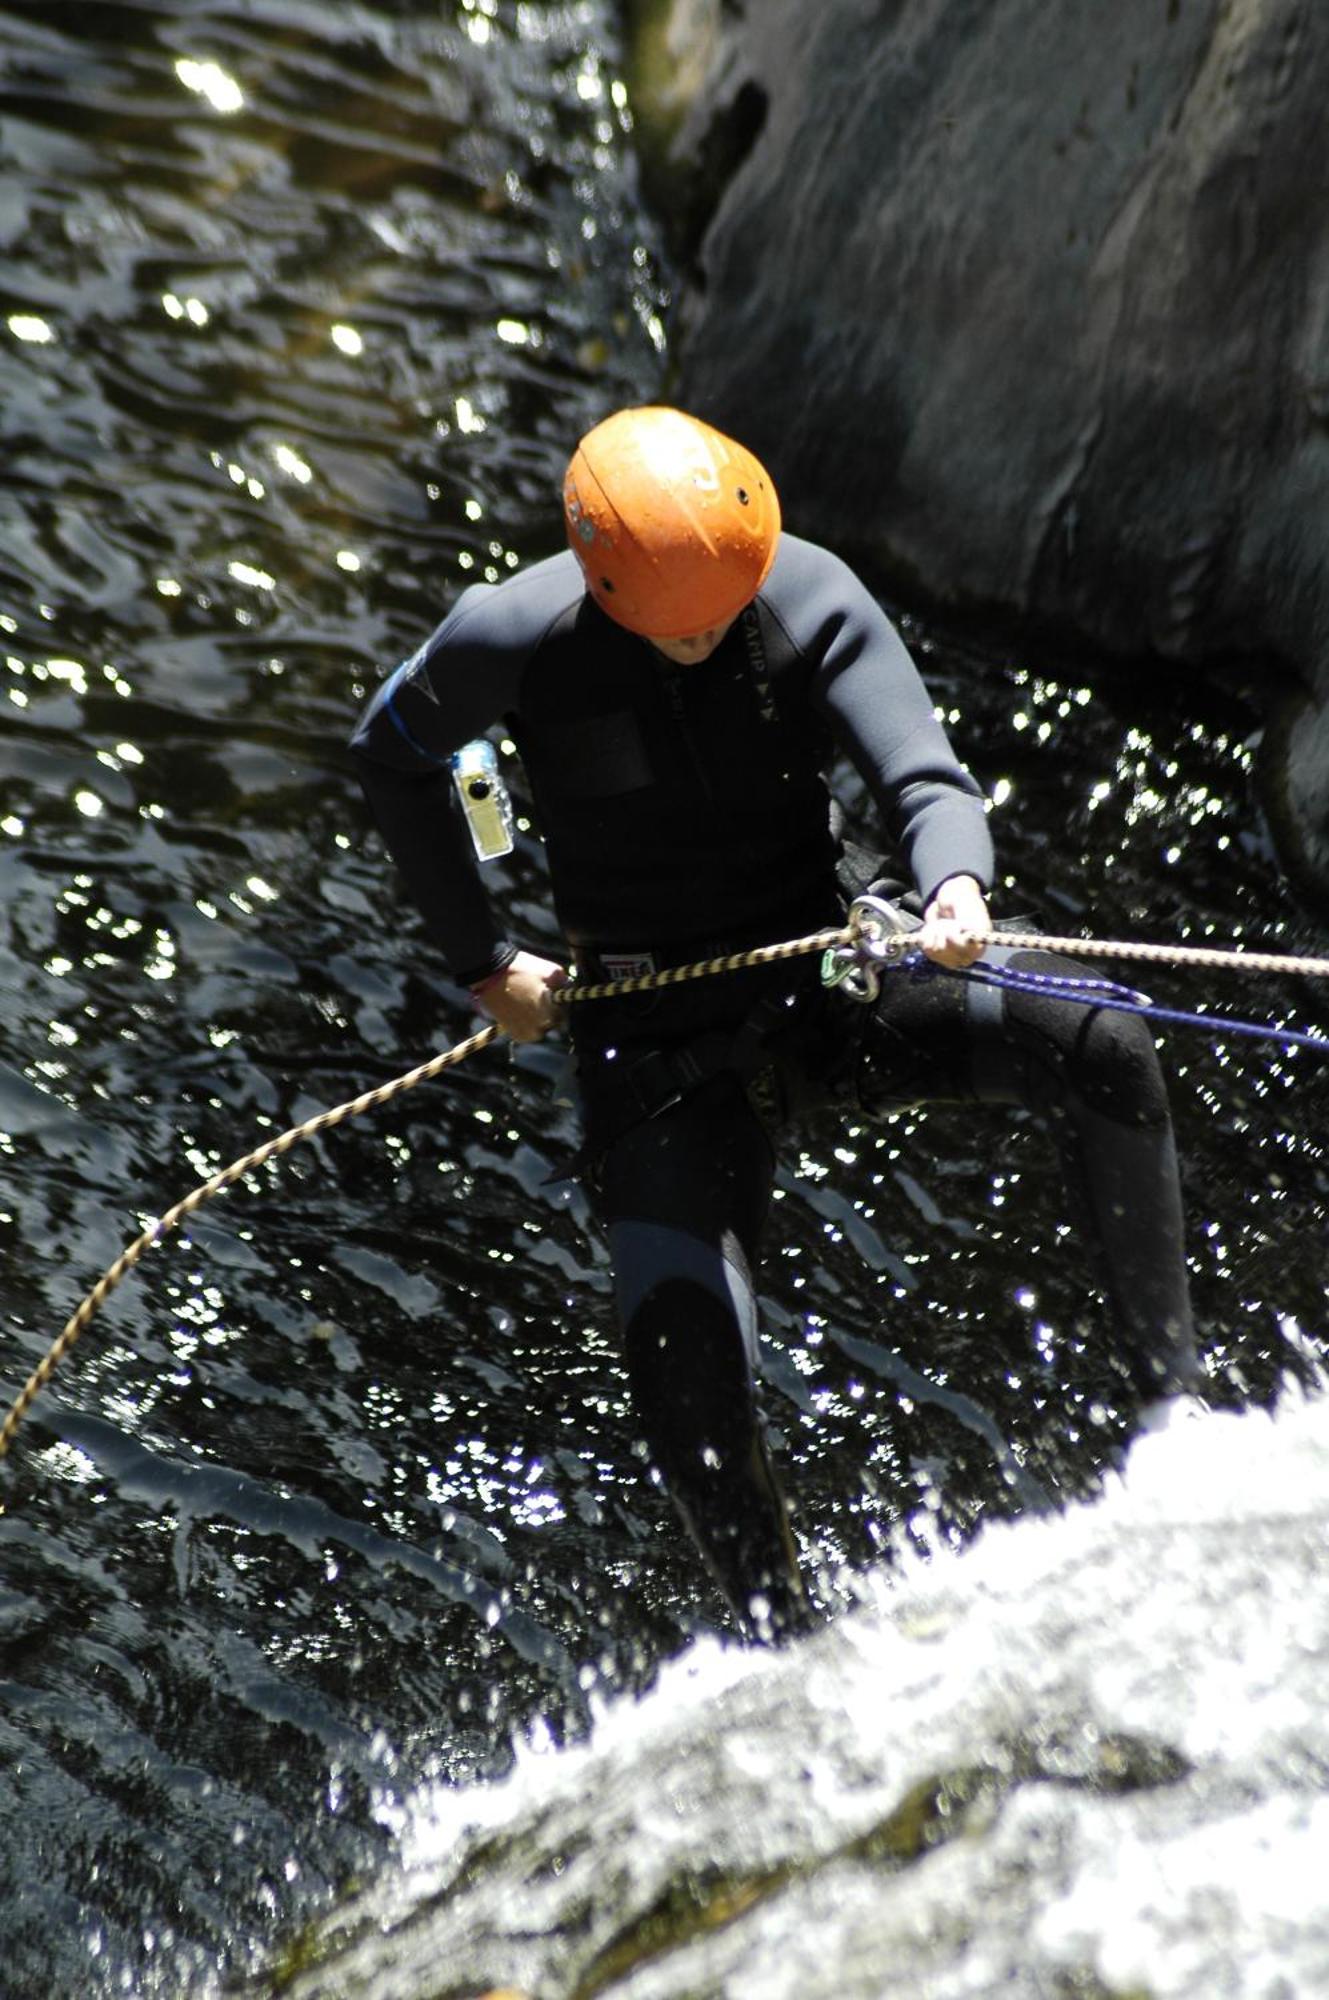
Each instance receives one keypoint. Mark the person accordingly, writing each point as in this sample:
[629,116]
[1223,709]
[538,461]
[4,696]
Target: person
[677,683]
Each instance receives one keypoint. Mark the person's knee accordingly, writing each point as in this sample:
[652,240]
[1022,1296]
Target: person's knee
[1116,1069]
[1105,1057]
[691,1384]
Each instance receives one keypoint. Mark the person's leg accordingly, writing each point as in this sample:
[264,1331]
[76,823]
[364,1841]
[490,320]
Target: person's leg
[1093,1076]
[684,1196]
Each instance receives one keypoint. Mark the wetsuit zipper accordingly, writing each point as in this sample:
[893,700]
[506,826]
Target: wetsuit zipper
[674,690]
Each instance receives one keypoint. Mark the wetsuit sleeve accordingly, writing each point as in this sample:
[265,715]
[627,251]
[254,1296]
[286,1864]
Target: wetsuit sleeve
[872,695]
[463,680]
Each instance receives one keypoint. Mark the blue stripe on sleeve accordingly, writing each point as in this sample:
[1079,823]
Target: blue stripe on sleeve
[390,705]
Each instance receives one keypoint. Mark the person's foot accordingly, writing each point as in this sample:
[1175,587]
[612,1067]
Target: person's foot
[740,1524]
[774,1617]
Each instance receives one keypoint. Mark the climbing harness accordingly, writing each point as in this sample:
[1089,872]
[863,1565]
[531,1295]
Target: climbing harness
[876,936]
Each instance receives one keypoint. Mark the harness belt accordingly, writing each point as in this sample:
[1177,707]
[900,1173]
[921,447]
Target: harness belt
[661,1078]
[644,1086]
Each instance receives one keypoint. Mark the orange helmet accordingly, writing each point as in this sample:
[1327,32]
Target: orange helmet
[674,525]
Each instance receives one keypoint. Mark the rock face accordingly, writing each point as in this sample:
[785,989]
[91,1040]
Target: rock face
[1028,310]
[1086,1755]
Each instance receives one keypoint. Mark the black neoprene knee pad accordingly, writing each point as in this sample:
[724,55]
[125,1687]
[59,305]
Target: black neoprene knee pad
[1107,1058]
[689,1374]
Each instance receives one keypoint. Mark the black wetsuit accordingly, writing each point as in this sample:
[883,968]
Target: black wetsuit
[685,813]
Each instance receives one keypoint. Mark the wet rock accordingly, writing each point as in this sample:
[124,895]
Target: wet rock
[1028,318]
[1085,1756]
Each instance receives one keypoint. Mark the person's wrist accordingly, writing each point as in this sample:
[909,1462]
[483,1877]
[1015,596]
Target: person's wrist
[960,890]
[491,979]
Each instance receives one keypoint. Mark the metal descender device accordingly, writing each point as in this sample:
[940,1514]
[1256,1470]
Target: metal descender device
[882,934]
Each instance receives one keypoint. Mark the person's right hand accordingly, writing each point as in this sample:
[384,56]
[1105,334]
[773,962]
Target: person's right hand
[521,997]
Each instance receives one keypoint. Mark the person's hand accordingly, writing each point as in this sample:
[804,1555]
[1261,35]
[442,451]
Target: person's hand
[956,913]
[521,997]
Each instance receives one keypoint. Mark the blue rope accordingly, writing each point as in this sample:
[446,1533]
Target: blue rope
[1120,999]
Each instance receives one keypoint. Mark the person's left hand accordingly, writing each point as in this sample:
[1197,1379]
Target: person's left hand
[955,915]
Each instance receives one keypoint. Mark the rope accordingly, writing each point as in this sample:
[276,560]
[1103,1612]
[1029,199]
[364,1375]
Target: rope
[1117,999]
[703,968]
[1214,958]
[1210,957]
[273,1149]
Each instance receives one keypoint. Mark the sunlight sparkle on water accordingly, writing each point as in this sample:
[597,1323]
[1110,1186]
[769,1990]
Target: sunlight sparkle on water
[29,327]
[66,1461]
[209,80]
[347,339]
[478,19]
[193,310]
[291,462]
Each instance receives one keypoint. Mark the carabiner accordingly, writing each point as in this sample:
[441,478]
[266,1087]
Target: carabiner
[844,966]
[881,936]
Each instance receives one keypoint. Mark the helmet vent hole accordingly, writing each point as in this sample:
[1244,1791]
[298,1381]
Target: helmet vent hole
[606,583]
[742,496]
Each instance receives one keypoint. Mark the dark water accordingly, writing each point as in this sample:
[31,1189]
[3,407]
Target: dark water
[302,309]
